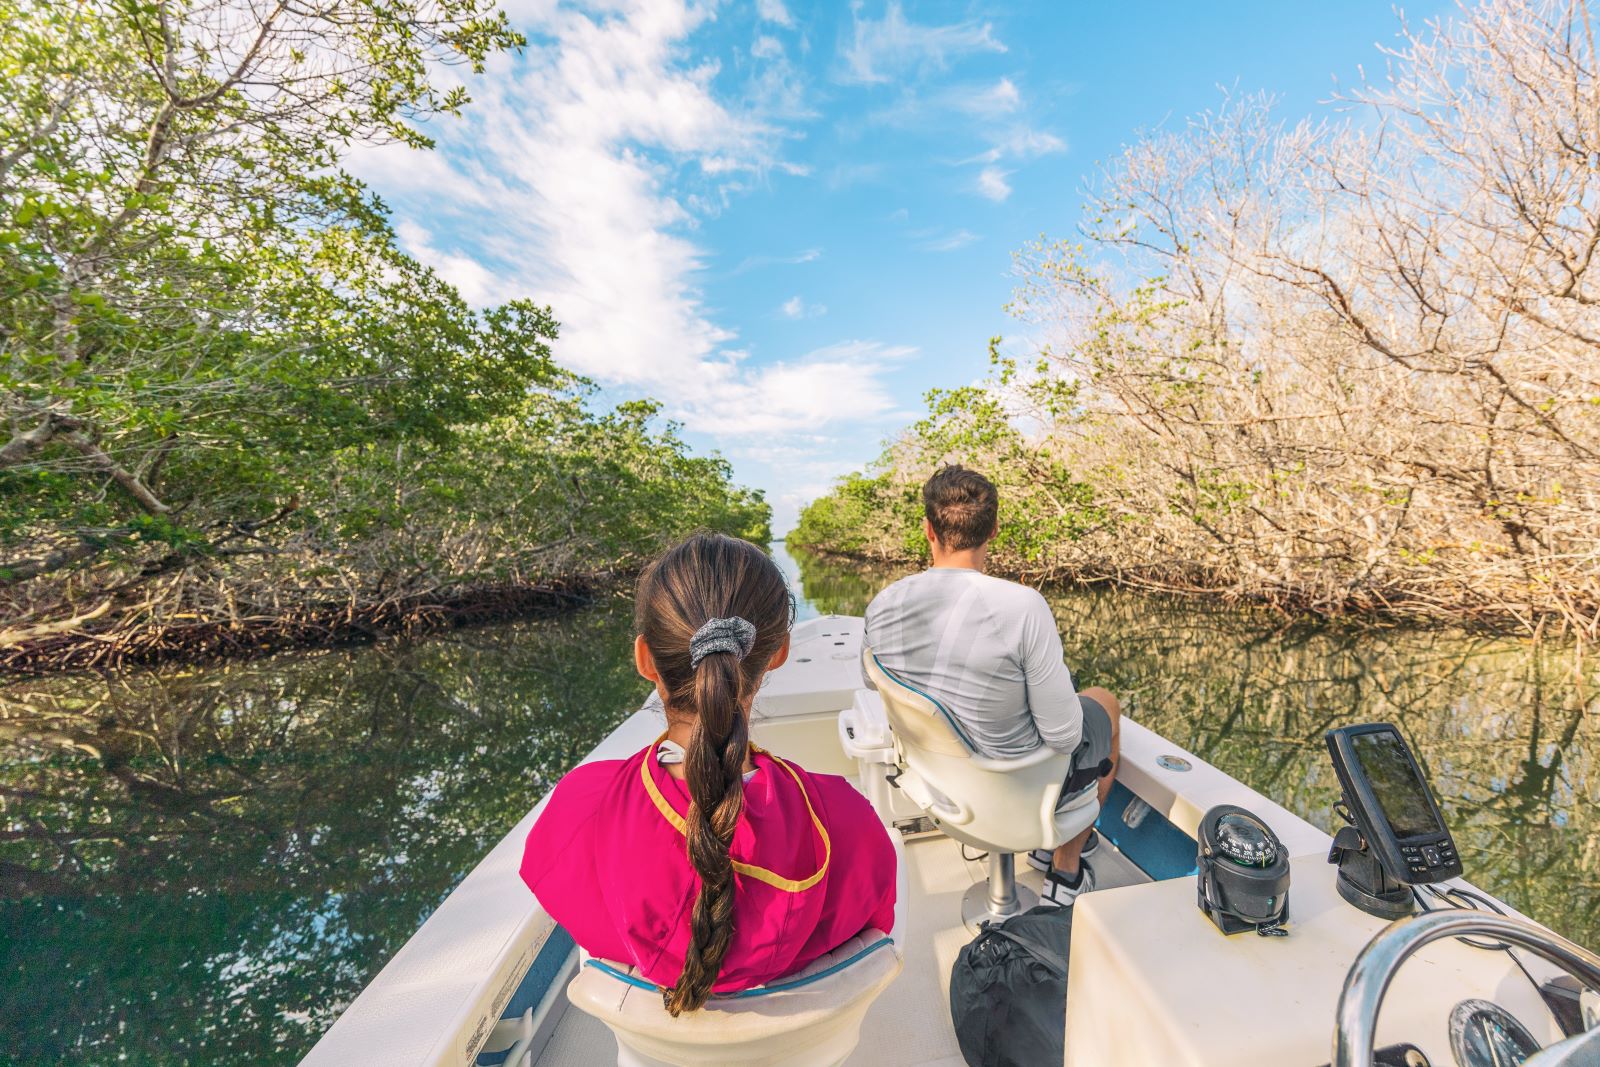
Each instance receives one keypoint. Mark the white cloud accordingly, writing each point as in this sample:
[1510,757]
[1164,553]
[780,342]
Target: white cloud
[1020,142]
[949,242]
[1025,143]
[796,308]
[992,183]
[807,255]
[723,164]
[883,48]
[777,87]
[837,383]
[576,178]
[1000,98]
[774,11]
[926,107]
[811,463]
[994,114]
[568,204]
[991,110]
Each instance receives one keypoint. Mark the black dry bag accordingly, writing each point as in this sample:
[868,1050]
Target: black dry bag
[1008,990]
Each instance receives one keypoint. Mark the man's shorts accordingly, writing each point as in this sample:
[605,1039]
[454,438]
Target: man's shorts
[1091,760]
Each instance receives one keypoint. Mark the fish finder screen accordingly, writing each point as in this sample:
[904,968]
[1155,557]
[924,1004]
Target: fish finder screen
[1400,790]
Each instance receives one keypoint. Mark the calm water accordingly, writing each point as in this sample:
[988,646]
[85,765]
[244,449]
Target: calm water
[203,866]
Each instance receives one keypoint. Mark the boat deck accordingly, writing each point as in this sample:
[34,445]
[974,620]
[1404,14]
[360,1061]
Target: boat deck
[910,1023]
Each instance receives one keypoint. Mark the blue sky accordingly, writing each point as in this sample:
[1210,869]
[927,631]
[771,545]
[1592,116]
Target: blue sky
[786,221]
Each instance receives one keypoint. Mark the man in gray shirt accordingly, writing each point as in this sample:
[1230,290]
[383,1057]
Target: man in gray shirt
[989,651]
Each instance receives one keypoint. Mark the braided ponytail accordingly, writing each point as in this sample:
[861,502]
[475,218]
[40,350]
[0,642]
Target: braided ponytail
[714,772]
[711,576]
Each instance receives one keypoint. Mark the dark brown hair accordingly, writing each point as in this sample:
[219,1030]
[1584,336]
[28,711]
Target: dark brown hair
[962,505]
[710,576]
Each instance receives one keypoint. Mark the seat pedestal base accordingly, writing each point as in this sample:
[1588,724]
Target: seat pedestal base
[999,898]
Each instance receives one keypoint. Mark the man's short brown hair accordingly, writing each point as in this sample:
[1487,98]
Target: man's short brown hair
[962,506]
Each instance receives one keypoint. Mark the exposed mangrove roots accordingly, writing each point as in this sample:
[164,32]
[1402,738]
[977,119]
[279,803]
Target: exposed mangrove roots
[189,639]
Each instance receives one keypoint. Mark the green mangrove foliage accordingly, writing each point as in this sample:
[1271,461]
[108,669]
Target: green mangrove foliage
[227,397]
[1270,369]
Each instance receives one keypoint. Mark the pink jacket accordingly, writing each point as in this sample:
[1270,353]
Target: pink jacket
[607,861]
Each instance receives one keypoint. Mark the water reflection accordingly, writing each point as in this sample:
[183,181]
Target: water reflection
[831,587]
[1508,730]
[204,866]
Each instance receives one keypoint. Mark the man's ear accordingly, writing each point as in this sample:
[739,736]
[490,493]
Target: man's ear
[643,662]
[927,531]
[993,533]
[780,657]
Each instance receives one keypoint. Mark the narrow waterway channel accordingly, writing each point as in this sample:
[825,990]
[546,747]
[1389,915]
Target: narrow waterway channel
[203,865]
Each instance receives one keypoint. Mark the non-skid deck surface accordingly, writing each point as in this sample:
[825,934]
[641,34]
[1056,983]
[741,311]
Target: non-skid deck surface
[909,1024]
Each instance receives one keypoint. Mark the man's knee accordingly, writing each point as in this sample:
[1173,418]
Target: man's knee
[1108,700]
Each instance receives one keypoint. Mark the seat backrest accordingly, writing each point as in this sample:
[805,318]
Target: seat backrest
[811,1019]
[916,717]
[1006,805]
[808,1019]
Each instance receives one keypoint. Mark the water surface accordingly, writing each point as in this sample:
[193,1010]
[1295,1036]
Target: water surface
[204,865]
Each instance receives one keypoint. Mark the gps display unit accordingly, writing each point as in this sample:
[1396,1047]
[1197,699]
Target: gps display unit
[1391,805]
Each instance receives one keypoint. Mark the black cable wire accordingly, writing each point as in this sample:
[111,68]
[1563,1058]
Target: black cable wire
[972,859]
[1453,896]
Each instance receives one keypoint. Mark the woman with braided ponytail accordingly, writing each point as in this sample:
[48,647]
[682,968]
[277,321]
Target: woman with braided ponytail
[710,864]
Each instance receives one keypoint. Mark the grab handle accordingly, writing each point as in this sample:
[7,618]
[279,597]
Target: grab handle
[932,801]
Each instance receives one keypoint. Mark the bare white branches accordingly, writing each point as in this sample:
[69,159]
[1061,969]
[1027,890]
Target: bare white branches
[1351,364]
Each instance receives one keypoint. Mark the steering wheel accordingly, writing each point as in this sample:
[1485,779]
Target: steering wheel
[1356,1019]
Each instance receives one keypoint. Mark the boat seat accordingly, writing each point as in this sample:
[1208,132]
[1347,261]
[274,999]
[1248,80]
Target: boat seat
[1003,806]
[811,1018]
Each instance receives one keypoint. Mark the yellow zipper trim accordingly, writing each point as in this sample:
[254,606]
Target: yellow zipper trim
[749,870]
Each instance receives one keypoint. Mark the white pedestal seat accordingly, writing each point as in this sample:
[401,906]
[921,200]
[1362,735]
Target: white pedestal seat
[1000,806]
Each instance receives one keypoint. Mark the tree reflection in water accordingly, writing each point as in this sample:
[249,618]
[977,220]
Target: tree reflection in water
[205,866]
[1499,723]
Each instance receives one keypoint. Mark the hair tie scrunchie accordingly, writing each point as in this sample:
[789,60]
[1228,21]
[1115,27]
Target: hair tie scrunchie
[734,635]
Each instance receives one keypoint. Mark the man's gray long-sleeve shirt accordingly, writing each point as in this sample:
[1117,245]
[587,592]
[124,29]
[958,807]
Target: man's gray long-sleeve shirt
[985,648]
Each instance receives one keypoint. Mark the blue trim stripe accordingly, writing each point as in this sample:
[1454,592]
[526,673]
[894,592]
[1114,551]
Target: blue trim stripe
[759,991]
[949,718]
[637,983]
